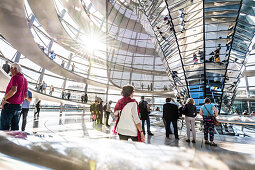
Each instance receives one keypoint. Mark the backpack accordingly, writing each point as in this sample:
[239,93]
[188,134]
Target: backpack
[105,106]
[92,107]
[143,107]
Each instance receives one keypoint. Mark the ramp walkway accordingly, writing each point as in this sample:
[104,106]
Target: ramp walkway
[5,78]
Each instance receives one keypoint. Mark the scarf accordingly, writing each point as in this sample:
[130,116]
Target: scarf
[119,106]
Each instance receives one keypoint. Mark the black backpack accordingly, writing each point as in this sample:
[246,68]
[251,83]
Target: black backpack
[143,107]
[105,106]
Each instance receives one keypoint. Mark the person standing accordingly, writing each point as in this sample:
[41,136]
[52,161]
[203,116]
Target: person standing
[108,111]
[144,111]
[170,114]
[94,110]
[51,90]
[190,112]
[73,67]
[15,94]
[207,111]
[68,94]
[100,113]
[86,98]
[128,123]
[44,85]
[37,111]
[63,93]
[25,109]
[6,67]
[63,64]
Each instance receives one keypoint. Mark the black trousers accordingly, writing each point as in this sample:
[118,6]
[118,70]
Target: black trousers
[23,113]
[107,114]
[174,122]
[124,137]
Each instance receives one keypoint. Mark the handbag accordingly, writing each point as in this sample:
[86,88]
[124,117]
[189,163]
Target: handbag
[215,121]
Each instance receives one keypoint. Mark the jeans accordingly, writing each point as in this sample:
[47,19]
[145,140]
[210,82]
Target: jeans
[10,116]
[190,121]
[174,122]
[148,125]
[24,118]
[107,114]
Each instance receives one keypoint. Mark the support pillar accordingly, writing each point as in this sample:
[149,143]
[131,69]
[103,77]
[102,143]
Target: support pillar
[248,94]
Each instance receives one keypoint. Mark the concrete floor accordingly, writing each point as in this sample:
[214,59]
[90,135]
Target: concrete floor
[74,141]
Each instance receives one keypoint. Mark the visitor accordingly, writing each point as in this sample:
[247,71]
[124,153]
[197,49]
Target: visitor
[157,109]
[207,111]
[63,94]
[100,113]
[253,113]
[68,94]
[144,112]
[6,67]
[82,98]
[51,90]
[201,55]
[94,110]
[15,93]
[25,109]
[236,113]
[63,64]
[37,109]
[73,67]
[170,114]
[52,55]
[195,60]
[190,112]
[165,88]
[128,123]
[245,112]
[44,85]
[86,98]
[108,111]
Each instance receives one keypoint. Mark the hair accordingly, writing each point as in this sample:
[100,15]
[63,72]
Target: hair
[17,66]
[127,90]
[168,99]
[142,97]
[207,100]
[190,101]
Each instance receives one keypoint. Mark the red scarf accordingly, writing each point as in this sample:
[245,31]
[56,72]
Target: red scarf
[119,106]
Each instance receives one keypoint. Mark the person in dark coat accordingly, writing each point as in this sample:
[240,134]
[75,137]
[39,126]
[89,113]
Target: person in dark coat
[37,109]
[170,114]
[144,111]
[100,113]
[6,67]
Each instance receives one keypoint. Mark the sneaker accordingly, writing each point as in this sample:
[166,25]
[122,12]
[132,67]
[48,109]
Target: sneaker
[188,140]
[151,134]
[193,141]
[207,142]
[213,144]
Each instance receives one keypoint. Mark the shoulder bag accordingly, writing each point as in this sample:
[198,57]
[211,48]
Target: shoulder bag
[215,121]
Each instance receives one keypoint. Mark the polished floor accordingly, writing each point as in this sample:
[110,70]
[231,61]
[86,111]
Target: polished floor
[71,140]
